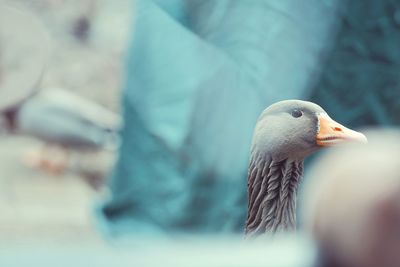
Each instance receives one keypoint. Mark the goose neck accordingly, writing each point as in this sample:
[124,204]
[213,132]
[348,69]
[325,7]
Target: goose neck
[272,189]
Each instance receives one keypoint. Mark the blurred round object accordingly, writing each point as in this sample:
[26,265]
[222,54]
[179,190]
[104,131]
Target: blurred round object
[352,202]
[24,45]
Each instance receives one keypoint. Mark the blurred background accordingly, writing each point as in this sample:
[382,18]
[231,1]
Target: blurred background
[84,45]
[112,64]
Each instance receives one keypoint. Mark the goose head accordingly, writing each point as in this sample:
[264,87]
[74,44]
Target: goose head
[286,133]
[295,129]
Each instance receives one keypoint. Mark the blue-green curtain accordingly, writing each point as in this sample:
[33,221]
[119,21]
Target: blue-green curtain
[360,82]
[198,74]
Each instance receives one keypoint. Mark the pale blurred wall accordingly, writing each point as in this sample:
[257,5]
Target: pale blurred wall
[88,40]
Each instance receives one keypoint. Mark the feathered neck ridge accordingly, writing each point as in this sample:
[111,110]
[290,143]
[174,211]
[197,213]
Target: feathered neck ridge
[272,188]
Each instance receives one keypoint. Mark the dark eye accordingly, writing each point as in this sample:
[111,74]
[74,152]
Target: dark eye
[296,113]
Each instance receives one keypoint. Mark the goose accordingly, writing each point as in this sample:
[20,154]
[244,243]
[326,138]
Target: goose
[285,134]
[63,120]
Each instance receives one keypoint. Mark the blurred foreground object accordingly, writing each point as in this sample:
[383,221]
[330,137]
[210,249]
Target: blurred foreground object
[353,203]
[24,47]
[198,75]
[286,133]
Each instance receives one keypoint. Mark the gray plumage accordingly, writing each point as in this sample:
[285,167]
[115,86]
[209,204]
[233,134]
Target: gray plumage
[272,195]
[281,141]
[60,117]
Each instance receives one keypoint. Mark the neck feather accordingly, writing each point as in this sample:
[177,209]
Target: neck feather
[272,188]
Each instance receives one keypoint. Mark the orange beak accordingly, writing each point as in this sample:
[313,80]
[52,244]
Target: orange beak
[332,133]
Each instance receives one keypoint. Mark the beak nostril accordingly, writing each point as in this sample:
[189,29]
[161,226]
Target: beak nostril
[338,129]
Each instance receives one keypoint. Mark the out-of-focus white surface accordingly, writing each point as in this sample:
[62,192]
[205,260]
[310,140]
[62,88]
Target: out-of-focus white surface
[212,252]
[36,206]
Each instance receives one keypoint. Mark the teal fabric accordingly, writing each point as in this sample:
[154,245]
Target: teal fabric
[360,84]
[198,74]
